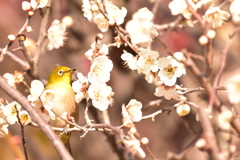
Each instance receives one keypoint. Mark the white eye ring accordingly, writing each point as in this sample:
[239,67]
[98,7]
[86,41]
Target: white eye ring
[60,72]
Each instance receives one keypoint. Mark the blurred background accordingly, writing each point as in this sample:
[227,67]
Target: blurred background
[168,134]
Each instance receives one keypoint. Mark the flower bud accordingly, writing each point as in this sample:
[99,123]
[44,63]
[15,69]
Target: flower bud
[28,29]
[68,21]
[30,13]
[26,6]
[99,36]
[211,34]
[201,143]
[144,140]
[203,40]
[11,37]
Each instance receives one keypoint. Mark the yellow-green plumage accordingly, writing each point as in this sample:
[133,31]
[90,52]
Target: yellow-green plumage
[64,97]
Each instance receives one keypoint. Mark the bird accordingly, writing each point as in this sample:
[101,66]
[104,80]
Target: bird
[59,82]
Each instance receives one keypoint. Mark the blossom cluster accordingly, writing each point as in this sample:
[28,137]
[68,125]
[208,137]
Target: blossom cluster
[163,71]
[93,12]
[94,85]
[10,114]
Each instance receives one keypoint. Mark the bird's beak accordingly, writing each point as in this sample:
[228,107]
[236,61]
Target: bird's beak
[71,70]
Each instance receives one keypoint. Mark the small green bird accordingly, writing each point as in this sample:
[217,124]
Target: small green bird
[64,99]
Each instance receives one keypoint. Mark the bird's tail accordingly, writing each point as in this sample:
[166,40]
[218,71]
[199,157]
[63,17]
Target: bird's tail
[65,139]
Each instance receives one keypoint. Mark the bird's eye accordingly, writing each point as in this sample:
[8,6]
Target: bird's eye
[60,72]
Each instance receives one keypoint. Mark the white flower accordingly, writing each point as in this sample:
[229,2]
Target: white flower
[35,91]
[235,11]
[135,147]
[141,28]
[166,91]
[13,79]
[150,77]
[10,79]
[130,60]
[216,16]
[101,22]
[56,35]
[181,7]
[147,61]
[233,86]
[97,49]
[11,111]
[115,13]
[183,110]
[170,70]
[25,117]
[100,70]
[101,95]
[47,99]
[80,87]
[38,3]
[3,130]
[87,9]
[132,112]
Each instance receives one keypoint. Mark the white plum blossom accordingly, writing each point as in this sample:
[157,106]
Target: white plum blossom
[170,70]
[10,79]
[100,70]
[147,61]
[235,11]
[216,16]
[141,28]
[101,22]
[135,146]
[181,7]
[87,9]
[56,35]
[38,3]
[10,111]
[36,90]
[97,49]
[130,60]
[3,130]
[115,13]
[24,117]
[132,112]
[101,95]
[47,99]
[233,86]
[169,92]
[3,123]
[80,87]
[13,79]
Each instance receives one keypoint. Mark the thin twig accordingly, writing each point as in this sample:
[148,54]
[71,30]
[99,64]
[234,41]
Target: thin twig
[23,135]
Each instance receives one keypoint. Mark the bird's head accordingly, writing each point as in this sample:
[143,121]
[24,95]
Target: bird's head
[60,75]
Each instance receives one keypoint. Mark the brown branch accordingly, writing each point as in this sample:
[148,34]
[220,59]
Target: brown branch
[17,60]
[41,37]
[172,25]
[221,67]
[208,134]
[54,139]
